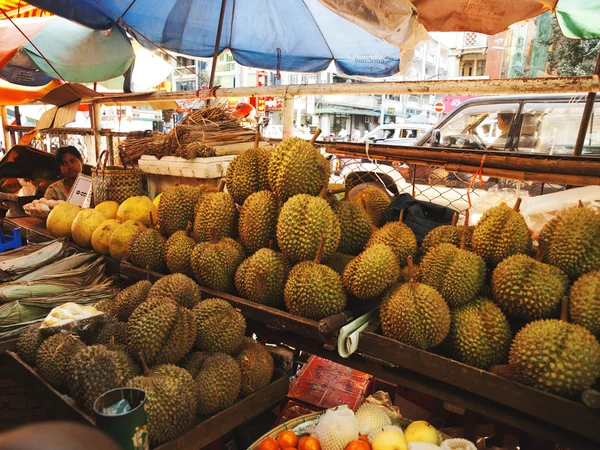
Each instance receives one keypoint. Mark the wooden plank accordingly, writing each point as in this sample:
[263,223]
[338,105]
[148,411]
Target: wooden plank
[407,378]
[557,410]
[429,87]
[323,331]
[32,228]
[218,425]
[57,404]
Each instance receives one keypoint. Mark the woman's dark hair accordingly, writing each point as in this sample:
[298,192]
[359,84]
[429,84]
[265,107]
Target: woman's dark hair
[62,151]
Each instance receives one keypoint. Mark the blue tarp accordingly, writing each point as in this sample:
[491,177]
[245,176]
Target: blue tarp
[290,35]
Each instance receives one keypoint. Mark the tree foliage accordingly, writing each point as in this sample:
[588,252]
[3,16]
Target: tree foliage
[570,57]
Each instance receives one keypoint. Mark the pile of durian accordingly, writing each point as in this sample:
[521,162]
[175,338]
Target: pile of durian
[482,294]
[190,355]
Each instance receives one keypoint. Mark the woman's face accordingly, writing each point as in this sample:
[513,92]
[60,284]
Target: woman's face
[70,166]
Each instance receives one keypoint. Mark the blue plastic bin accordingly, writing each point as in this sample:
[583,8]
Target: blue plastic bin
[10,242]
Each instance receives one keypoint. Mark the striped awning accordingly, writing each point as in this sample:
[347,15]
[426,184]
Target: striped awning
[19,9]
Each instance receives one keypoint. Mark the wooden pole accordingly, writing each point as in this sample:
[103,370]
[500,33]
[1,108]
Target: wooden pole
[4,118]
[95,117]
[587,115]
[217,44]
[447,87]
[288,116]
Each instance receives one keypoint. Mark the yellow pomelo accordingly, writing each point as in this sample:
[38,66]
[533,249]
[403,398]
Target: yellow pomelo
[157,200]
[138,208]
[84,225]
[389,440]
[101,236]
[60,219]
[119,241]
[421,431]
[109,209]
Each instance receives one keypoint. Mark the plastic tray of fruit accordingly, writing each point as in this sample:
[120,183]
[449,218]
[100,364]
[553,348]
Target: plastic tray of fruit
[372,427]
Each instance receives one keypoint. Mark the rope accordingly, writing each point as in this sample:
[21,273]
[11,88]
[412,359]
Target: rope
[479,174]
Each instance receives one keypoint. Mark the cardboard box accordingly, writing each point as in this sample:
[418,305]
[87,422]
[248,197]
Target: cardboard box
[325,384]
[293,409]
[66,98]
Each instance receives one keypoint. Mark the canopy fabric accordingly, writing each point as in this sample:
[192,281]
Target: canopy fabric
[290,35]
[18,8]
[579,18]
[79,54]
[13,94]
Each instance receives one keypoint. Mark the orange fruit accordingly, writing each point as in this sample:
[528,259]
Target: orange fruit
[301,442]
[358,445]
[287,439]
[269,444]
[363,438]
[311,443]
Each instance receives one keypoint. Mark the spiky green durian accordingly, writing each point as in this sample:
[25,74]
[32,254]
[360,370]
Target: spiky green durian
[375,202]
[217,384]
[176,208]
[247,174]
[256,365]
[216,216]
[129,299]
[258,221]
[220,326]
[296,167]
[29,342]
[372,272]
[178,249]
[147,250]
[214,264]
[480,334]
[54,357]
[261,277]
[399,238]
[527,289]
[177,287]
[584,302]
[305,220]
[355,227]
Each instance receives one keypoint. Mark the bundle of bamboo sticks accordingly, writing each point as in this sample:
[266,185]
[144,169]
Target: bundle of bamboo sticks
[196,136]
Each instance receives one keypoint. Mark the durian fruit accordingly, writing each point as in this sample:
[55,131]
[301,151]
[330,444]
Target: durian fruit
[355,227]
[258,221]
[171,402]
[147,250]
[372,272]
[337,428]
[338,262]
[97,369]
[218,383]
[314,290]
[480,334]
[399,238]
[584,302]
[193,362]
[178,287]
[114,333]
[456,274]
[296,167]
[501,232]
[178,249]
[216,216]
[553,356]
[375,202]
[573,244]
[107,306]
[220,326]
[214,264]
[261,277]
[449,234]
[160,331]
[303,221]
[176,208]
[247,174]
[417,315]
[371,417]
[54,356]
[129,299]
[29,342]
[256,366]
[527,289]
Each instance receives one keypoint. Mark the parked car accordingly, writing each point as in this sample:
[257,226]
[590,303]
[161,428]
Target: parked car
[396,134]
[544,124]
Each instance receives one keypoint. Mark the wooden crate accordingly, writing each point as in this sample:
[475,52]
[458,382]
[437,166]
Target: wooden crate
[202,434]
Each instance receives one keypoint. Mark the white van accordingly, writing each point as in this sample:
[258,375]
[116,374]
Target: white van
[396,133]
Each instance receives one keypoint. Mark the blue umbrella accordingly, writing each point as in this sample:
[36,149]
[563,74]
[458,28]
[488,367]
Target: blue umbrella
[290,35]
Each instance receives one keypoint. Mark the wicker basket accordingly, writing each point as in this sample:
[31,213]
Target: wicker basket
[289,425]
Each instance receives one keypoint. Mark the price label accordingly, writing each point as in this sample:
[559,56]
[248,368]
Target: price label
[81,192]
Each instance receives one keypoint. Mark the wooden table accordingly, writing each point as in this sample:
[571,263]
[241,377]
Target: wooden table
[32,228]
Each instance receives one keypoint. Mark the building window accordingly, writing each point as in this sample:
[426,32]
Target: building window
[466,69]
[185,62]
[470,39]
[480,68]
[186,85]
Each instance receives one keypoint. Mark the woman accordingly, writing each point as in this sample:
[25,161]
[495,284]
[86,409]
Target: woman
[71,164]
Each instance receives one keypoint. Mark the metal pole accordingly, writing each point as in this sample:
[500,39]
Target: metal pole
[4,118]
[217,43]
[587,114]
